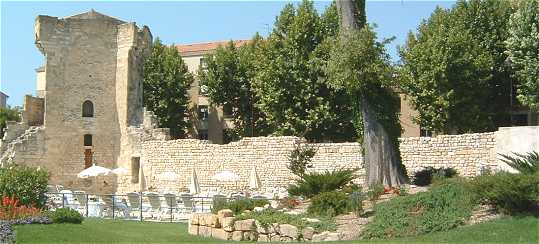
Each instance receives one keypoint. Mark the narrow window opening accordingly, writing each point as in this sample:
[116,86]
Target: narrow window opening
[87,109]
[88,140]
[135,167]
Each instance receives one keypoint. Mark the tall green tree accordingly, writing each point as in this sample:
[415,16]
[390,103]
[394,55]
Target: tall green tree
[360,65]
[8,114]
[228,75]
[291,84]
[454,68]
[523,51]
[166,81]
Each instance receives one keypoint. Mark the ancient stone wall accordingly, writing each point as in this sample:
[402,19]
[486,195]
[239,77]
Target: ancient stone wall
[467,153]
[34,109]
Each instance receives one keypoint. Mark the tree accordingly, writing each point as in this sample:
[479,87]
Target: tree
[523,51]
[8,114]
[291,84]
[454,71]
[228,75]
[360,65]
[166,81]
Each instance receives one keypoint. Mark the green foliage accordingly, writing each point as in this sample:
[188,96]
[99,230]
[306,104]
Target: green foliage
[270,216]
[166,81]
[330,203]
[228,75]
[355,202]
[510,193]
[430,174]
[453,70]
[314,183]
[27,184]
[8,114]
[523,50]
[239,205]
[443,207]
[300,159]
[279,80]
[66,215]
[523,163]
[375,191]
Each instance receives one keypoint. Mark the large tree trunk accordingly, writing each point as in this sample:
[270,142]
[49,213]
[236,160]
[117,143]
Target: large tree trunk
[381,157]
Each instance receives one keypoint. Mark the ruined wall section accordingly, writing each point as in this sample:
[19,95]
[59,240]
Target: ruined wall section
[34,110]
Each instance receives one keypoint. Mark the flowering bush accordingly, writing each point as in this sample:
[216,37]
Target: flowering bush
[11,209]
[27,184]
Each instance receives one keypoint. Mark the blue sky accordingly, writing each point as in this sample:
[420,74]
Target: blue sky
[175,22]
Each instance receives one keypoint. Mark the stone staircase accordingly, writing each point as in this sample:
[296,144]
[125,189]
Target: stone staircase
[8,148]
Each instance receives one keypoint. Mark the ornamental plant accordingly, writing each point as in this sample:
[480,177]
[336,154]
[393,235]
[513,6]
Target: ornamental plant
[27,184]
[11,209]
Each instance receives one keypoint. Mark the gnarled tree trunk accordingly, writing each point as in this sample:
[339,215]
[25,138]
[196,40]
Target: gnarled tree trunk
[381,157]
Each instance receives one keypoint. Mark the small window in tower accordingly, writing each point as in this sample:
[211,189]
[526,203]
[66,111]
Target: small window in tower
[135,169]
[87,140]
[87,109]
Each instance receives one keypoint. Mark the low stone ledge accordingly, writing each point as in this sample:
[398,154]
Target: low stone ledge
[223,227]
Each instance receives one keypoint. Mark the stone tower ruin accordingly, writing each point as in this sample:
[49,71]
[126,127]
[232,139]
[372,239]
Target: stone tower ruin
[89,106]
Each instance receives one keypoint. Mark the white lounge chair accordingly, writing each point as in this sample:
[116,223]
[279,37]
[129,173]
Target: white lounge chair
[187,202]
[82,200]
[155,203]
[69,200]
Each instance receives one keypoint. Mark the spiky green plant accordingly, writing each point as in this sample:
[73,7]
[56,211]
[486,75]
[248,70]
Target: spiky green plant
[313,183]
[524,163]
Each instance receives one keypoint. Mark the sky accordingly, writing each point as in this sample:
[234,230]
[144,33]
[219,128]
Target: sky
[178,22]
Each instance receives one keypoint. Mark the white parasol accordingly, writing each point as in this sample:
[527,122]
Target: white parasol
[254,180]
[226,176]
[93,171]
[194,187]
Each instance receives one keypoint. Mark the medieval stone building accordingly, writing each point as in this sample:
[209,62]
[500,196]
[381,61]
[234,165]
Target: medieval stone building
[88,107]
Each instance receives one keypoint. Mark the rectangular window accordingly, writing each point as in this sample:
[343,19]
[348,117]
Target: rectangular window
[87,140]
[135,167]
[227,110]
[203,134]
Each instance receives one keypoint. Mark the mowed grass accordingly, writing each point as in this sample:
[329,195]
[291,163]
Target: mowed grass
[507,230]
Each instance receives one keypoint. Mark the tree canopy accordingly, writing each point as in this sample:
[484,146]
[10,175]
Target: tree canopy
[8,114]
[166,81]
[454,68]
[523,51]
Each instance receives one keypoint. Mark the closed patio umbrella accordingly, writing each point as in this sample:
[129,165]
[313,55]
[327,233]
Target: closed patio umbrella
[226,176]
[254,180]
[142,179]
[194,187]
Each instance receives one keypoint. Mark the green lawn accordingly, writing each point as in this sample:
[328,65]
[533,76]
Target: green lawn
[509,230]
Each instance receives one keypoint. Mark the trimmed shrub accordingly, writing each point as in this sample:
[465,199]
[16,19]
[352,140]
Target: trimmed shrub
[523,163]
[429,175]
[270,216]
[329,204]
[509,193]
[239,205]
[27,184]
[443,207]
[66,215]
[313,183]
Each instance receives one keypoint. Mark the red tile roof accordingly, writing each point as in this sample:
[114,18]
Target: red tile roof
[205,47]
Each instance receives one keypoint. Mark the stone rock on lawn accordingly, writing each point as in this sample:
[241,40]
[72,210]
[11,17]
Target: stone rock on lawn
[264,229]
[245,225]
[320,237]
[213,221]
[275,237]
[288,230]
[194,219]
[223,213]
[227,223]
[192,229]
[204,231]
[250,236]
[237,235]
[263,238]
[286,239]
[308,233]
[333,237]
[221,234]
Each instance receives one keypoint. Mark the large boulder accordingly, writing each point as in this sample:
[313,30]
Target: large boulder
[320,237]
[308,233]
[275,237]
[289,230]
[237,235]
[223,213]
[204,231]
[194,219]
[221,234]
[333,237]
[192,229]
[263,238]
[227,223]
[245,225]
